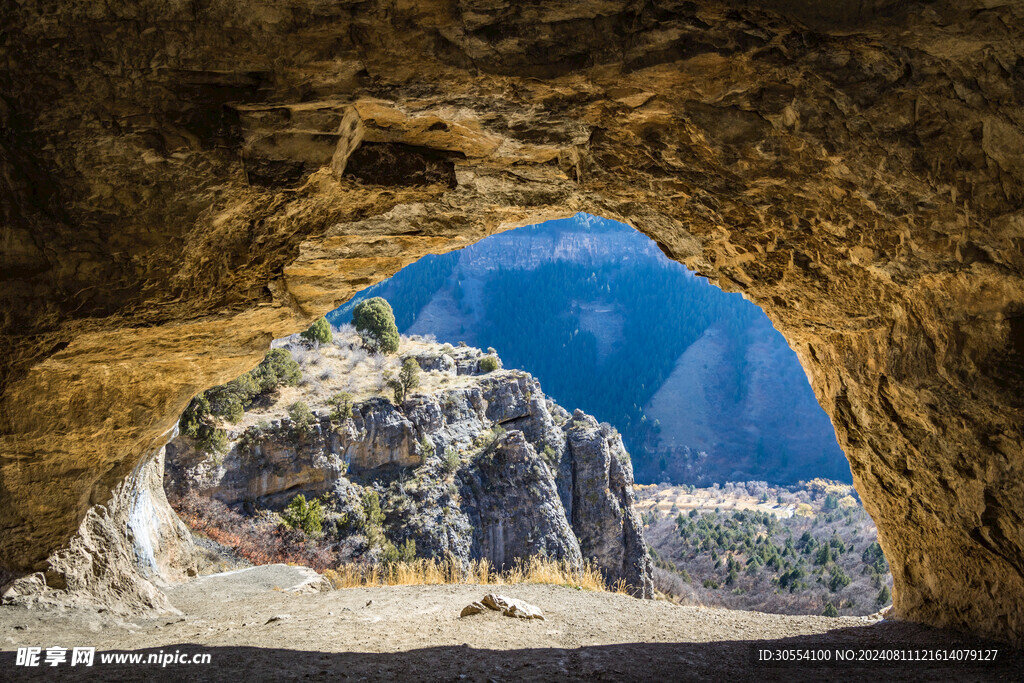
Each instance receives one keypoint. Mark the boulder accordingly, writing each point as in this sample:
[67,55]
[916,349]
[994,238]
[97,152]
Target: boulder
[512,607]
[471,609]
[433,362]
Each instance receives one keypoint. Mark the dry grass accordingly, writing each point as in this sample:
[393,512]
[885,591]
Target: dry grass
[434,572]
[346,366]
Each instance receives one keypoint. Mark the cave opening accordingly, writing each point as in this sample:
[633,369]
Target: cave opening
[321,456]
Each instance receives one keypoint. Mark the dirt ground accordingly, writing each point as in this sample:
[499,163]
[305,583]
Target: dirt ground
[255,630]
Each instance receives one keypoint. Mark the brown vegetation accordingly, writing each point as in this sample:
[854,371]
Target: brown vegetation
[258,540]
[786,550]
[262,541]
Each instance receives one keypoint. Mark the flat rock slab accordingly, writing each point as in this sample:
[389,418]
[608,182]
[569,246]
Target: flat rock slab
[253,580]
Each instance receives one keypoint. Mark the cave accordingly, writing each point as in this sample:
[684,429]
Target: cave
[183,184]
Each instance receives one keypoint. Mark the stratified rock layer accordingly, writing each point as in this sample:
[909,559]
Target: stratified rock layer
[122,551]
[182,182]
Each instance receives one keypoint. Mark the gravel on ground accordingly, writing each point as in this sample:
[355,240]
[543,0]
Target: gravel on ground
[255,627]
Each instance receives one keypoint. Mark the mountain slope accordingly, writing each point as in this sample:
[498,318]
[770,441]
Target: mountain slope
[596,312]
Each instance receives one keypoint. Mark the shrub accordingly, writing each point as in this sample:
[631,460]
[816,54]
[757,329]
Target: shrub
[374,518]
[451,460]
[341,406]
[830,610]
[426,447]
[212,440]
[278,368]
[409,375]
[884,597]
[874,556]
[405,553]
[193,418]
[731,579]
[488,364]
[319,332]
[301,416]
[408,378]
[230,400]
[306,516]
[486,440]
[252,438]
[260,542]
[375,322]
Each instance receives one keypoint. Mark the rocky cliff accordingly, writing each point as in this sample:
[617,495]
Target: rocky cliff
[489,468]
[184,181]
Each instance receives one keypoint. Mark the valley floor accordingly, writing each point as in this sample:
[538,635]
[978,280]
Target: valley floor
[254,629]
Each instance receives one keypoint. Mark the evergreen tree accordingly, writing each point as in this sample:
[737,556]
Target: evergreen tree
[306,516]
[319,332]
[375,322]
[408,379]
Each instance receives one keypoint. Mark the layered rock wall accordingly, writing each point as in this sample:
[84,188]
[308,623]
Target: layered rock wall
[549,486]
[182,182]
[602,503]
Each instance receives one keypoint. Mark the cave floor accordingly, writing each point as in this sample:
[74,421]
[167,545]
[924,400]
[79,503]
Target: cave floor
[252,626]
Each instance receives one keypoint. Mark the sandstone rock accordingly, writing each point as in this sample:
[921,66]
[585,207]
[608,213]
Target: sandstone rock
[161,543]
[143,264]
[440,362]
[267,465]
[103,567]
[23,589]
[512,607]
[312,583]
[507,400]
[383,436]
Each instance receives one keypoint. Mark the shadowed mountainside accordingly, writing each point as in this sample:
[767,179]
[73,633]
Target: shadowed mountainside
[705,389]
